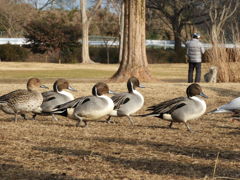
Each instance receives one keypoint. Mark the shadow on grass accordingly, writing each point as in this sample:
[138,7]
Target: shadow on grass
[13,171]
[234,133]
[158,127]
[224,92]
[196,152]
[7,120]
[150,165]
[227,127]
[163,167]
[199,152]
[235,130]
[168,80]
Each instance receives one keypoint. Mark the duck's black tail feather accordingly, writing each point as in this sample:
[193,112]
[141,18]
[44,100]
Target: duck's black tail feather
[62,112]
[148,115]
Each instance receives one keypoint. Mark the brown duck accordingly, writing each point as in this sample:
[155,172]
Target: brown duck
[23,101]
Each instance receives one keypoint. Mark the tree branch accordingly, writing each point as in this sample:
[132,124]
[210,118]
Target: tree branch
[95,8]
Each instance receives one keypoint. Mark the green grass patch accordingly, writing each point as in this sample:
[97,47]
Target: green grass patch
[72,73]
[17,71]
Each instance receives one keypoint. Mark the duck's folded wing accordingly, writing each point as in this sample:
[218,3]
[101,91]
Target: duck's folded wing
[119,99]
[6,97]
[173,108]
[167,106]
[72,104]
[48,96]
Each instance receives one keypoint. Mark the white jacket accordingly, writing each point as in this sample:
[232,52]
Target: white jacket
[195,50]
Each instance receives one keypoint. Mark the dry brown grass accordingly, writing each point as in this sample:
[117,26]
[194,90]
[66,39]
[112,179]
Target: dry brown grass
[46,149]
[223,60]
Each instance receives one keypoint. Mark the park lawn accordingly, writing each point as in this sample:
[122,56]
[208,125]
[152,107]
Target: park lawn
[13,72]
[47,149]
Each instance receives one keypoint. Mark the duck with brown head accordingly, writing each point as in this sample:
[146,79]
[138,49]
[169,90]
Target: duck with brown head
[22,101]
[56,97]
[89,107]
[181,109]
[125,104]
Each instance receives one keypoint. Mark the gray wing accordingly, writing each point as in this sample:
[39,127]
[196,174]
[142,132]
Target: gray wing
[167,106]
[72,104]
[120,99]
[49,95]
[51,99]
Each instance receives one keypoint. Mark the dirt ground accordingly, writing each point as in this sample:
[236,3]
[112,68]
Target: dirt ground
[53,150]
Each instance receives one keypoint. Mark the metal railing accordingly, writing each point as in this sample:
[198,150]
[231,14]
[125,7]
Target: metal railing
[154,43]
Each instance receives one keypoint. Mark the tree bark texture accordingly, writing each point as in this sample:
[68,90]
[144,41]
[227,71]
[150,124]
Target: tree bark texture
[121,32]
[134,58]
[86,19]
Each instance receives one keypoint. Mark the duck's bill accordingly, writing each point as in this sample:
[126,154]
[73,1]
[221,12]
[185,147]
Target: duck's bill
[43,86]
[203,95]
[71,88]
[141,86]
[111,92]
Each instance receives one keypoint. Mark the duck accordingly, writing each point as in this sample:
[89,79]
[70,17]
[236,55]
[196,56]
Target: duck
[56,97]
[181,109]
[23,101]
[231,107]
[87,108]
[127,103]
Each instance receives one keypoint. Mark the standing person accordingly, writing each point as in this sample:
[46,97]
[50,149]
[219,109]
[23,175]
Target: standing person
[195,50]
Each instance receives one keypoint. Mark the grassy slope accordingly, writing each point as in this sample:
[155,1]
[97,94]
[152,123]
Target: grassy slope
[45,149]
[83,72]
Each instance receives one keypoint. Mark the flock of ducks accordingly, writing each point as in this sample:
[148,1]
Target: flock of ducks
[60,102]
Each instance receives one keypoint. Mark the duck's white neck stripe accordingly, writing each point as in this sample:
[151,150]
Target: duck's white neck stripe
[195,98]
[139,94]
[65,93]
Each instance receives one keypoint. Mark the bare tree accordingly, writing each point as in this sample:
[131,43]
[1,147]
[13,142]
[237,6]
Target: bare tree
[39,4]
[13,16]
[108,25]
[134,59]
[118,6]
[219,12]
[66,5]
[121,32]
[177,14]
[86,20]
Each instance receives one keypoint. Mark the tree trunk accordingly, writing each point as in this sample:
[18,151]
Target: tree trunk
[85,47]
[134,59]
[107,48]
[121,32]
[177,30]
[85,27]
[59,55]
[177,43]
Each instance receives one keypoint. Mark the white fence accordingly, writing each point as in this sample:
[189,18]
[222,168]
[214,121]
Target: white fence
[156,43]
[18,41]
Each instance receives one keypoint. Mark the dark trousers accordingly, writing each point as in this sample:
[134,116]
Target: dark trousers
[191,68]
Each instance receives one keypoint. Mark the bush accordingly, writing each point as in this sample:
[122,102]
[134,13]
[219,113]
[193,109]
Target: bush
[154,55]
[9,52]
[99,54]
[52,34]
[71,53]
[160,55]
